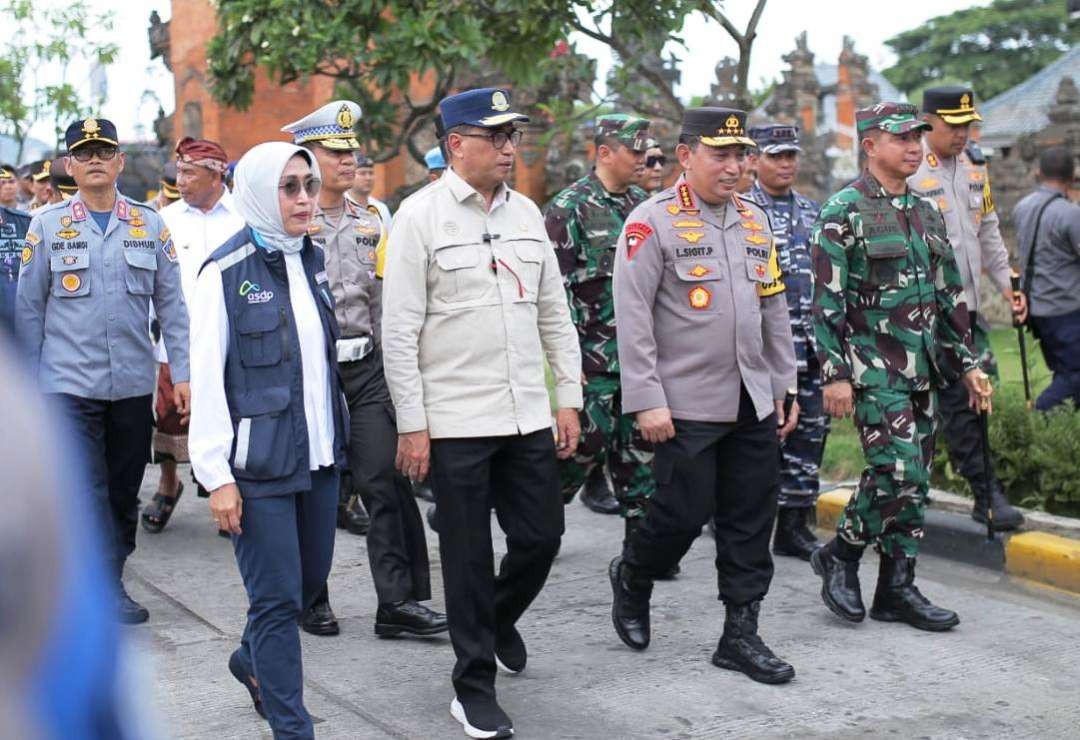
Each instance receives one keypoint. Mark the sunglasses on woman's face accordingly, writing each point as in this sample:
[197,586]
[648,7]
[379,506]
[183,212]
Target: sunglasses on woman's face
[655,160]
[292,186]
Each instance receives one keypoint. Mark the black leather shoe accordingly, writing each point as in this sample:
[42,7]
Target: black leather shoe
[630,606]
[793,537]
[1006,516]
[128,610]
[839,583]
[242,673]
[510,652]
[741,649]
[319,619]
[598,497]
[352,517]
[408,618]
[898,600]
[482,720]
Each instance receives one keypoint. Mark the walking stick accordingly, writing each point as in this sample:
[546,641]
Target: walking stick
[1014,278]
[984,429]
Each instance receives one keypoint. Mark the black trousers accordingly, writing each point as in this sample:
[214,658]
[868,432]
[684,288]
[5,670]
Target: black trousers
[114,439]
[396,543]
[728,472]
[518,477]
[963,435]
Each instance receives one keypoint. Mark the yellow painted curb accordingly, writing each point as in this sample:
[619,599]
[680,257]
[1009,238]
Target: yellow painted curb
[829,506]
[1043,557]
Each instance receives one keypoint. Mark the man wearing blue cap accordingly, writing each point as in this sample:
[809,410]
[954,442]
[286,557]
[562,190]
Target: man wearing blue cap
[791,216]
[436,163]
[473,305]
[90,269]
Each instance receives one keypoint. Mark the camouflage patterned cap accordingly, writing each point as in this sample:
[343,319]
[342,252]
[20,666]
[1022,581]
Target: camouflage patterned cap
[629,130]
[895,118]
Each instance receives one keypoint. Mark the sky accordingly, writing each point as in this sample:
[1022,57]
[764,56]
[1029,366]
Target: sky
[136,84]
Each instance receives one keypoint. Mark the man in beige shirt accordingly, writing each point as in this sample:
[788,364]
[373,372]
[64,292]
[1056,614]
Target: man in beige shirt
[957,180]
[472,305]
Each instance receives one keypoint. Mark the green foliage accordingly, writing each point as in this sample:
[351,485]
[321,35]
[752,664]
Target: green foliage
[40,38]
[993,47]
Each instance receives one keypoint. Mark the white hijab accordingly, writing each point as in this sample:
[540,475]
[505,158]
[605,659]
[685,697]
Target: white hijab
[258,174]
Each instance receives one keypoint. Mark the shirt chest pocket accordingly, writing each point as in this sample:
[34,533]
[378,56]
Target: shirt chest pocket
[70,274]
[458,275]
[698,279]
[887,263]
[261,337]
[527,257]
[141,269]
[975,196]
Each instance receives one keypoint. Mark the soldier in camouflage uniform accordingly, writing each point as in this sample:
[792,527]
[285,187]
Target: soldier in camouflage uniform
[791,216]
[890,324]
[584,222]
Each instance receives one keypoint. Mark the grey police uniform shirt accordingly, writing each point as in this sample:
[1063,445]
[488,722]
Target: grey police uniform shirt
[961,190]
[698,309]
[84,297]
[1055,286]
[350,249]
[473,303]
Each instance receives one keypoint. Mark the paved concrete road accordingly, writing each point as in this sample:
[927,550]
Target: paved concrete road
[1011,669]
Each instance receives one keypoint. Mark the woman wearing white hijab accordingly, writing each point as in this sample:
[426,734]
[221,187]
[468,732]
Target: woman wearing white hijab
[267,431]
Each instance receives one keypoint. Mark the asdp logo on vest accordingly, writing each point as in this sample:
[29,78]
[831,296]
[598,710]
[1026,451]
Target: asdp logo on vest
[254,293]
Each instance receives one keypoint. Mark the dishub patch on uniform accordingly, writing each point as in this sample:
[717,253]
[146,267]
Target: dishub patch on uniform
[700,298]
[691,236]
[71,282]
[169,250]
[636,234]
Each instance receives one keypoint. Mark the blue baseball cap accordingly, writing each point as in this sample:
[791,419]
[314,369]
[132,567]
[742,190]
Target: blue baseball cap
[486,107]
[434,159]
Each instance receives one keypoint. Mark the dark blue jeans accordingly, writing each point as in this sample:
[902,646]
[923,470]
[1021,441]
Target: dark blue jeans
[1059,338]
[284,556]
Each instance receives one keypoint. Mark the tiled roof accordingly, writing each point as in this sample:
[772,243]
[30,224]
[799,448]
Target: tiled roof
[1022,109]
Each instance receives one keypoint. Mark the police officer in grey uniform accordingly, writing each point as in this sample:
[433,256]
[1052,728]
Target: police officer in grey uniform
[94,264]
[349,237]
[707,361]
[960,186]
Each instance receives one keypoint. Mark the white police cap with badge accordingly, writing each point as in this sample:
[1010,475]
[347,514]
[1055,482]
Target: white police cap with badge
[330,126]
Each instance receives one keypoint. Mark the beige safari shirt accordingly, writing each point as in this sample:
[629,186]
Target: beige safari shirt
[473,303]
[700,309]
[961,190]
[349,250]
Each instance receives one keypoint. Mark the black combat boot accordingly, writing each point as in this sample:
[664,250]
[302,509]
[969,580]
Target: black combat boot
[838,565]
[597,494]
[742,649]
[793,537]
[630,607]
[1006,516]
[351,515]
[898,600]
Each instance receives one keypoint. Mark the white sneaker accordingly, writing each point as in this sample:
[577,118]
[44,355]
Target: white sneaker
[457,711]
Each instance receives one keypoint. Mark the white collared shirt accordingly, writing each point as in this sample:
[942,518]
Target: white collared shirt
[211,435]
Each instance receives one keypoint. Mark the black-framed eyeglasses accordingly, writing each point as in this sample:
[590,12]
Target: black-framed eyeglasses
[292,186]
[498,139]
[86,153]
[658,159]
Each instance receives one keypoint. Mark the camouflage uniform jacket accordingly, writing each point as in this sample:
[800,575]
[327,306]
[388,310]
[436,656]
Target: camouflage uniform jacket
[584,222]
[887,291]
[791,224]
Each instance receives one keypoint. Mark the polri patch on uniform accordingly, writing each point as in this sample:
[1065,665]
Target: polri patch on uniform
[169,250]
[636,234]
[71,282]
[691,236]
[700,298]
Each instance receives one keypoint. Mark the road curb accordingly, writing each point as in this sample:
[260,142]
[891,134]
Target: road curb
[1043,557]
